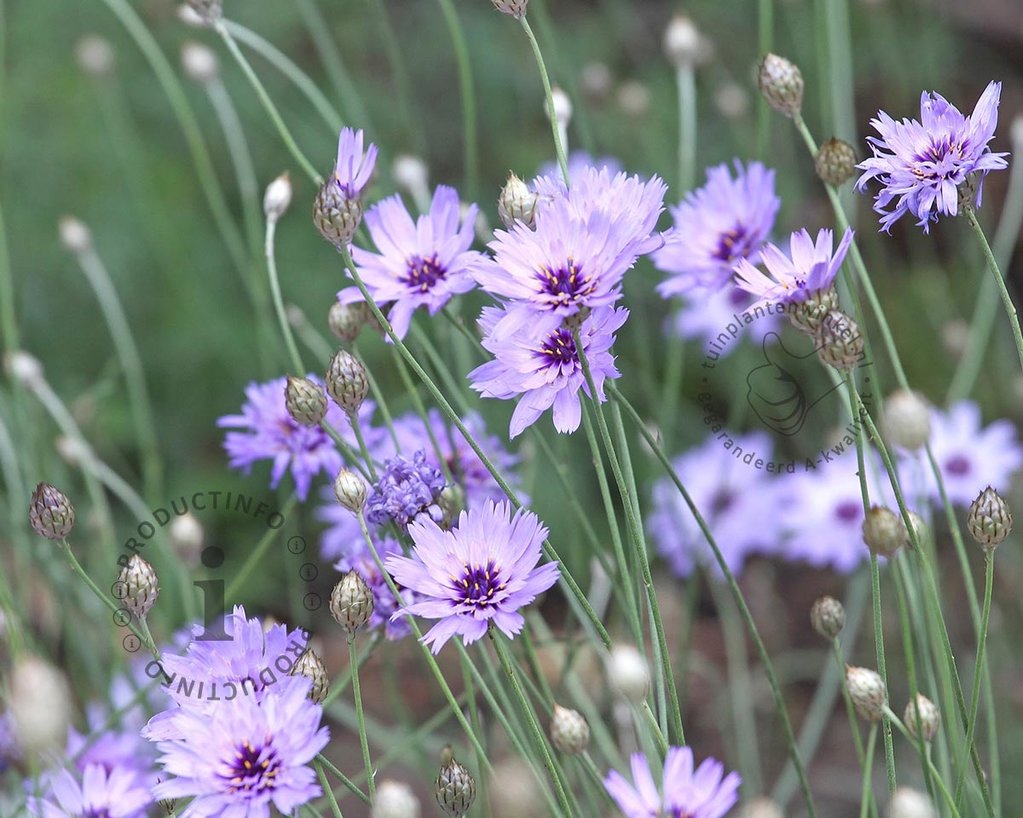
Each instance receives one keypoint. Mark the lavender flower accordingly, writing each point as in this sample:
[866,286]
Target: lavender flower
[811,268]
[726,220]
[406,489]
[921,165]
[476,575]
[245,755]
[703,793]
[116,793]
[536,358]
[353,167]
[710,315]
[268,432]
[421,263]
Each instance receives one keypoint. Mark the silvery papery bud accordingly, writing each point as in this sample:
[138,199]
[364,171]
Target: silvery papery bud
[629,673]
[781,83]
[761,807]
[839,341]
[808,315]
[347,320]
[137,586]
[95,55]
[74,235]
[51,513]
[989,520]
[928,721]
[336,214]
[411,174]
[456,787]
[907,419]
[209,11]
[305,401]
[199,62]
[351,602]
[517,203]
[569,731]
[187,536]
[277,197]
[310,665]
[562,107]
[682,42]
[39,704]
[395,799]
[884,531]
[909,803]
[515,8]
[24,369]
[827,616]
[835,162]
[867,691]
[347,382]
[350,490]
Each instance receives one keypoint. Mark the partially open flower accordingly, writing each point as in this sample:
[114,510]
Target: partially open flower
[515,8]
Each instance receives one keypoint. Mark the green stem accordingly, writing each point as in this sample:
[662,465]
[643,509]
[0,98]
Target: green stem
[353,419]
[868,767]
[882,668]
[326,788]
[344,779]
[935,774]
[319,33]
[559,148]
[765,43]
[685,77]
[275,292]
[353,658]
[468,95]
[256,554]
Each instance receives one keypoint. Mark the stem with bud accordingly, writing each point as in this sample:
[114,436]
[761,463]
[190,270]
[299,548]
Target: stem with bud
[559,148]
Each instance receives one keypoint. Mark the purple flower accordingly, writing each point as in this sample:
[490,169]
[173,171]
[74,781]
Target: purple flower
[244,755]
[581,246]
[736,499]
[406,488]
[921,165]
[811,267]
[703,793]
[711,316]
[117,793]
[353,168]
[421,263]
[726,220]
[268,432]
[536,358]
[475,575]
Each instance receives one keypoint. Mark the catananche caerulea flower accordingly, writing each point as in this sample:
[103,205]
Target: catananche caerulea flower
[406,488]
[726,220]
[353,166]
[99,793]
[705,792]
[536,361]
[711,316]
[244,755]
[921,165]
[810,268]
[478,574]
[420,263]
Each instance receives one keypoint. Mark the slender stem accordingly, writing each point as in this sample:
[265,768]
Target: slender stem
[468,94]
[330,56]
[9,323]
[353,658]
[685,78]
[559,148]
[275,292]
[765,42]
[353,419]
[868,767]
[344,779]
[256,554]
[935,774]
[882,667]
[326,788]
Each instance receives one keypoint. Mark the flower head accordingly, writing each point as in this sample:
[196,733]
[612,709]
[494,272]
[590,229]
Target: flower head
[535,357]
[726,220]
[420,263]
[117,793]
[921,165]
[406,488]
[701,793]
[354,165]
[475,575]
[710,315]
[810,268]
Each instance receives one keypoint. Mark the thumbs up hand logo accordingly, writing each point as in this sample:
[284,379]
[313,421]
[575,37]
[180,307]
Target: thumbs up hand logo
[778,390]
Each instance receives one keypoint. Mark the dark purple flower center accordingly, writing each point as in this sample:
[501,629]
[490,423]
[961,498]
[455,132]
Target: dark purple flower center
[957,465]
[423,273]
[253,769]
[733,244]
[558,348]
[940,150]
[478,584]
[97,813]
[849,511]
[565,284]
[738,297]
[722,500]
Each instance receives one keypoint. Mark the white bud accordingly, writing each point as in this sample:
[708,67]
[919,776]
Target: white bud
[682,44]
[1016,132]
[23,368]
[634,99]
[569,731]
[922,717]
[513,791]
[908,803]
[40,705]
[95,55]
[884,531]
[732,100]
[867,691]
[137,586]
[350,490]
[761,807]
[628,671]
[595,80]
[562,107]
[907,419]
[74,235]
[277,197]
[72,451]
[190,17]
[411,174]
[187,536]
[199,62]
[395,799]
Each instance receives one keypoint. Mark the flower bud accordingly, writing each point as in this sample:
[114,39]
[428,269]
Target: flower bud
[73,450]
[305,401]
[761,807]
[867,691]
[562,107]
[40,705]
[634,99]
[628,672]
[336,214]
[51,513]
[595,80]
[74,235]
[989,520]
[517,203]
[347,320]
[351,602]
[24,369]
[310,665]
[95,55]
[569,731]
[827,616]
[137,586]
[516,8]
[186,536]
[909,803]
[199,62]
[347,382]
[412,174]
[452,502]
[277,197]
[682,42]
[350,490]
[190,17]
[927,723]
[456,788]
[807,315]
[395,799]
[209,11]
[839,341]
[907,419]
[884,531]
[835,162]
[781,83]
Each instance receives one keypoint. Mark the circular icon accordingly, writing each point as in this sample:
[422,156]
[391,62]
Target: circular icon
[122,616]
[308,572]
[131,643]
[296,545]
[312,602]
[212,557]
[119,589]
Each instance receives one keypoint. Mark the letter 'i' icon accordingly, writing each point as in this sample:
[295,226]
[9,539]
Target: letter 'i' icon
[213,598]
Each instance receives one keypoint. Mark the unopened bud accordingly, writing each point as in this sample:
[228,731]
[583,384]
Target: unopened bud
[989,520]
[186,536]
[909,803]
[808,315]
[884,531]
[351,602]
[347,320]
[922,717]
[562,107]
[73,450]
[40,705]
[629,673]
[595,80]
[51,513]
[682,42]
[456,788]
[516,8]
[24,369]
[347,382]
[517,203]
[199,62]
[835,162]
[867,691]
[305,401]
[277,197]
[310,665]
[781,83]
[634,99]
[411,173]
[907,419]
[395,799]
[209,11]
[350,490]
[190,17]
[569,731]
[74,235]
[839,341]
[137,586]
[336,214]
[761,807]
[452,502]
[827,616]
[95,55]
